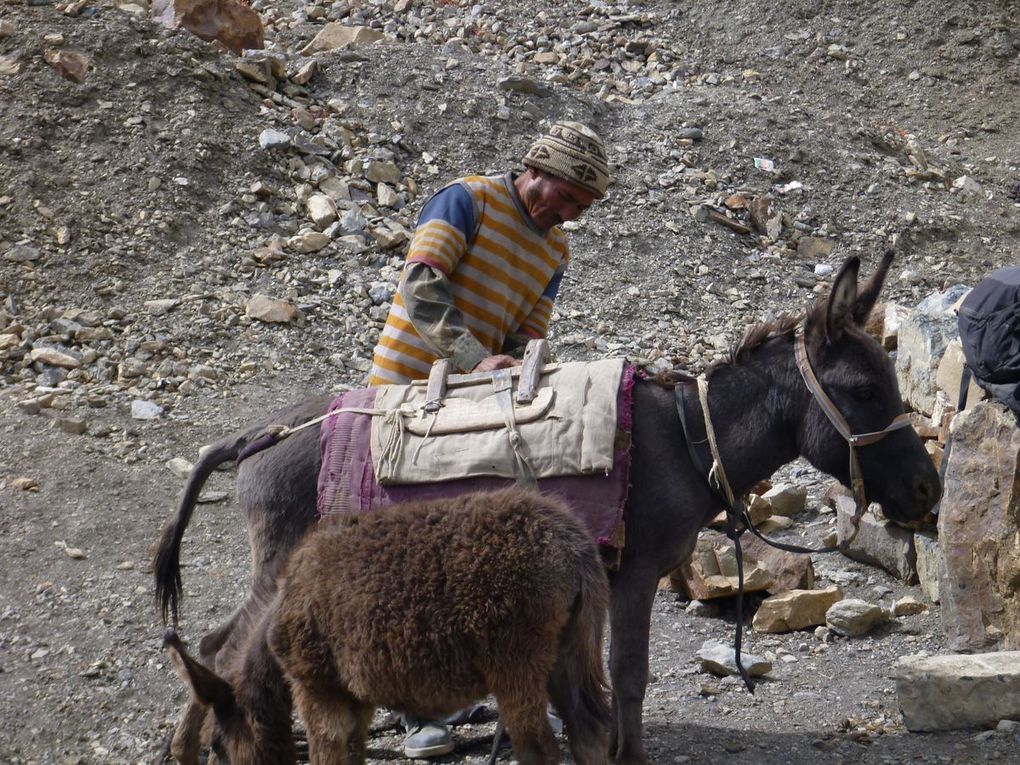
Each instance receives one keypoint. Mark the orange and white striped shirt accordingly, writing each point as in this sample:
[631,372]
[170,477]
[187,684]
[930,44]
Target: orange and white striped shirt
[503,274]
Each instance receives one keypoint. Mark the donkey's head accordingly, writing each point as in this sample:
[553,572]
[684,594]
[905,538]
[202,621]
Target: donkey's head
[858,377]
[247,723]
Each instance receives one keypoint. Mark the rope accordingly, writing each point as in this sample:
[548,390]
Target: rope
[717,473]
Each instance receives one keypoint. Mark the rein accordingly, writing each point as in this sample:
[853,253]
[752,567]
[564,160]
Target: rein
[737,518]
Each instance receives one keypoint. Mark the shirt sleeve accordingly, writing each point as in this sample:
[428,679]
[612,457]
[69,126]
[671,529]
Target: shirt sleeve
[445,229]
[428,301]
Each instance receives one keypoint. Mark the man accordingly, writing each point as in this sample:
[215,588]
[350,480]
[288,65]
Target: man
[481,277]
[486,260]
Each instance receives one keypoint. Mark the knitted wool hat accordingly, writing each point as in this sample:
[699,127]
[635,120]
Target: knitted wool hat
[573,152]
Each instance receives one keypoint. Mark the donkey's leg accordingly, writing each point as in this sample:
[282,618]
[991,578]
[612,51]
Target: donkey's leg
[632,593]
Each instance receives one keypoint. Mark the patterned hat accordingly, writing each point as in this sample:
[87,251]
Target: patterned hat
[573,152]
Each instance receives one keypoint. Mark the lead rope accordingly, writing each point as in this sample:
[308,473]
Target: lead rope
[717,477]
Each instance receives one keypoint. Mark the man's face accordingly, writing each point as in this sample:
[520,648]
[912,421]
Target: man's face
[550,200]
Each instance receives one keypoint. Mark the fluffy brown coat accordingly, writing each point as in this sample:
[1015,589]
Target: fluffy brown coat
[425,608]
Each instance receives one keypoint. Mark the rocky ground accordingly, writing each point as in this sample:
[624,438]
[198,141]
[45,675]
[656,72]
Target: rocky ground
[170,267]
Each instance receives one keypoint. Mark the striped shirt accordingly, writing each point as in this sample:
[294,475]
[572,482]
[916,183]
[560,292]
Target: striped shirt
[503,274]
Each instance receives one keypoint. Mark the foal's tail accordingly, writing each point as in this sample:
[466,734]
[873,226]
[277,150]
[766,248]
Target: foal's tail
[166,564]
[579,687]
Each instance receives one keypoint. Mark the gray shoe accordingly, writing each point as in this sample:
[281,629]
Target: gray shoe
[426,738]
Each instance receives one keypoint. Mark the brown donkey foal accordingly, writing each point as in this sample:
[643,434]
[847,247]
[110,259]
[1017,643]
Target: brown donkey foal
[422,607]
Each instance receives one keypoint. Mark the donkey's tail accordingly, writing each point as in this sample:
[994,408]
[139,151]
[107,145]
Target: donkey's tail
[579,687]
[166,564]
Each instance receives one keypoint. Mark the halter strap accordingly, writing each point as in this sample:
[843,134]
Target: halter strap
[842,427]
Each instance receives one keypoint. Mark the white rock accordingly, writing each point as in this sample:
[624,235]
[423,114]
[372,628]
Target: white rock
[145,410]
[720,659]
[321,209]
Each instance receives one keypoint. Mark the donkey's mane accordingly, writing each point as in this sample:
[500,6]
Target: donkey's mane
[755,336]
[758,334]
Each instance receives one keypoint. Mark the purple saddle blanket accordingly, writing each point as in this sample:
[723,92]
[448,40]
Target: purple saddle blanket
[347,482]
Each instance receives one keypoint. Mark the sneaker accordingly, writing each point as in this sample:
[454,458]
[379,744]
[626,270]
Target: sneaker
[554,721]
[426,738]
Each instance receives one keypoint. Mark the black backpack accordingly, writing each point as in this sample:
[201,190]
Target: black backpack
[989,320]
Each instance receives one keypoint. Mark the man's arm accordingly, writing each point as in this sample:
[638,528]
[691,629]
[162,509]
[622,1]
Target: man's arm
[429,305]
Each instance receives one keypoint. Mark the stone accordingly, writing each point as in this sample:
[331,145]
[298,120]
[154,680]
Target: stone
[787,570]
[786,499]
[335,36]
[386,196]
[710,571]
[69,63]
[954,691]
[853,617]
[273,139]
[230,22]
[525,85]
[162,306]
[22,253]
[923,338]
[179,466]
[25,483]
[908,606]
[73,425]
[968,186]
[979,523]
[948,375]
[758,509]
[390,235]
[9,65]
[142,409]
[879,542]
[55,358]
[795,610]
[321,210]
[813,248]
[305,73]
[720,659]
[379,171]
[308,241]
[929,564]
[336,189]
[266,309]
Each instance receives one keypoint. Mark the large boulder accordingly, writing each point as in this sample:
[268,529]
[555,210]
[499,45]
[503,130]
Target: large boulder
[979,524]
[950,692]
[924,335]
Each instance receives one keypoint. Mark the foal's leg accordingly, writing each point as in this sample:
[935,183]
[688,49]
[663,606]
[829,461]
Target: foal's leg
[585,732]
[632,593]
[523,712]
[336,725]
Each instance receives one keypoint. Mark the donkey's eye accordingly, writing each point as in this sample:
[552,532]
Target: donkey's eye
[863,392]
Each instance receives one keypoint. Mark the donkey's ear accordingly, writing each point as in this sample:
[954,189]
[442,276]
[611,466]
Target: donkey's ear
[839,311]
[208,688]
[868,294]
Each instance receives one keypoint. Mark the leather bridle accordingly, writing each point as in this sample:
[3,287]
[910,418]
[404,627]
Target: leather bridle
[854,440]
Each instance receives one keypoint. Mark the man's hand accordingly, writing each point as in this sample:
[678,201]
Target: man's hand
[501,361]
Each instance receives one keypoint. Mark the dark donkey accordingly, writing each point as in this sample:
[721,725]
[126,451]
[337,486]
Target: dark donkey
[763,415]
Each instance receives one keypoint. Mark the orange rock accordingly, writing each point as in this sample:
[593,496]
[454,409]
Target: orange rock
[230,22]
